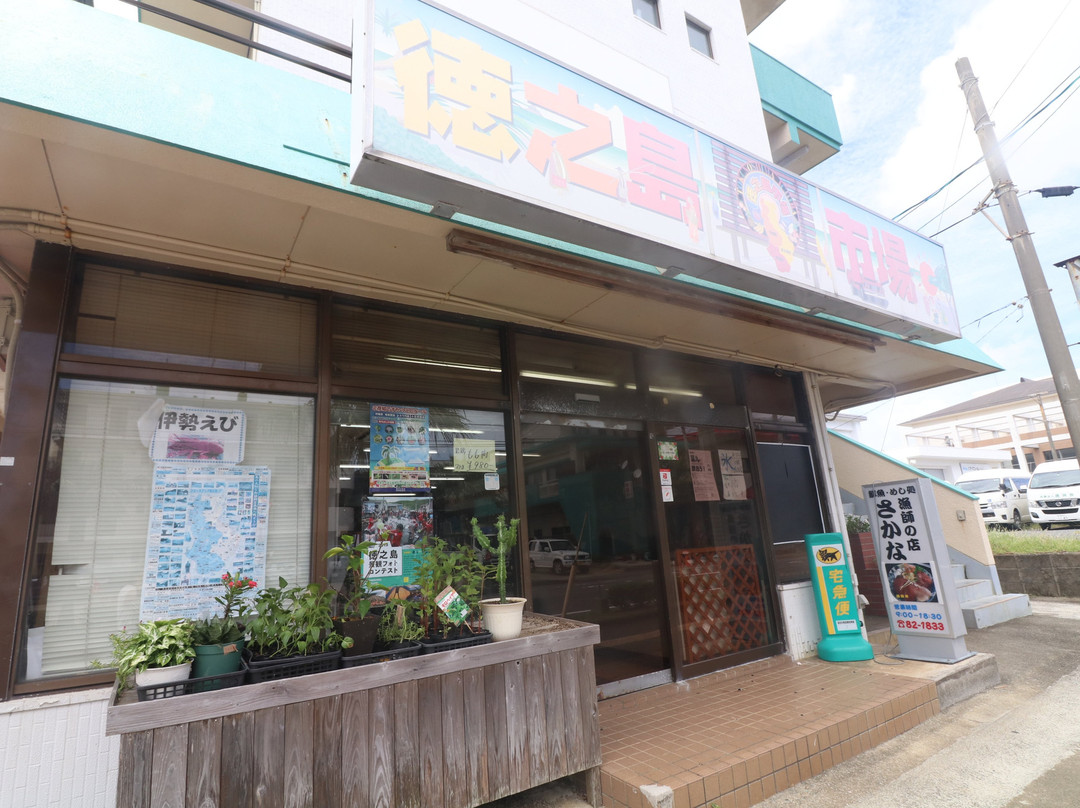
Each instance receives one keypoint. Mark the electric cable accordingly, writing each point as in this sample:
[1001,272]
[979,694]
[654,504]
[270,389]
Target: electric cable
[1039,109]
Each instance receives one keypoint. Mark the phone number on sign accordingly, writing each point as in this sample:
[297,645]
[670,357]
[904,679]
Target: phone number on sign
[924,624]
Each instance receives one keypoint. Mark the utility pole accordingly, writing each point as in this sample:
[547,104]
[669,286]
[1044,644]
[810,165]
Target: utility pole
[1042,306]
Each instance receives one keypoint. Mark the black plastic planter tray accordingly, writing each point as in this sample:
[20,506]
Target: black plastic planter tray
[268,670]
[185,687]
[410,650]
[434,646]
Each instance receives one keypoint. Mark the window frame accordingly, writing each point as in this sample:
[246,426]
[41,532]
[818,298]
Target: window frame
[641,8]
[692,27]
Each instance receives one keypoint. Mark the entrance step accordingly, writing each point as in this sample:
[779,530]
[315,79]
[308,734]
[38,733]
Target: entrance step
[970,589]
[958,572]
[989,611]
[737,736]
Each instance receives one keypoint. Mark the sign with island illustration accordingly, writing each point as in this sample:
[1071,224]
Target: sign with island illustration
[204,520]
[399,450]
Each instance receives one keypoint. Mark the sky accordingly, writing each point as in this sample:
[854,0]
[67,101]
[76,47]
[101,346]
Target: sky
[890,68]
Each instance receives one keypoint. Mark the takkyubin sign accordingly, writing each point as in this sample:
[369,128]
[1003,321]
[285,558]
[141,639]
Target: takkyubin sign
[837,606]
[445,112]
[915,568]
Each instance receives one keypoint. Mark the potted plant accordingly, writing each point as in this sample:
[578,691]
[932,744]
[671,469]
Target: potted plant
[352,612]
[219,640]
[398,637]
[444,568]
[291,632]
[502,615]
[158,652]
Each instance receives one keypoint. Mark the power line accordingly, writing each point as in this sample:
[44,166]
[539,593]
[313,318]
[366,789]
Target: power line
[995,311]
[1031,55]
[1039,109]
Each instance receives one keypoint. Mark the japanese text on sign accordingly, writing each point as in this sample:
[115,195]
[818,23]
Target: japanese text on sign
[474,455]
[198,436]
[454,99]
[384,559]
[907,558]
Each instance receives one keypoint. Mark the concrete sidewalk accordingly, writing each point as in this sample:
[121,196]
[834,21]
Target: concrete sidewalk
[1010,745]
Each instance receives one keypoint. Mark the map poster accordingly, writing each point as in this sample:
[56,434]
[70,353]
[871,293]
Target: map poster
[198,435]
[204,521]
[399,450]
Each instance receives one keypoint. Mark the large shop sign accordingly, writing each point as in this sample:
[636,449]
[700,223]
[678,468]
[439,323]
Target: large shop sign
[916,571]
[445,112]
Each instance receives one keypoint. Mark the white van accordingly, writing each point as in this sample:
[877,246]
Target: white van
[1054,493]
[1001,493]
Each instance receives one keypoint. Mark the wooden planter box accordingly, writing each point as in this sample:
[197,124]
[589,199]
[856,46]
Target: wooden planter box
[449,730]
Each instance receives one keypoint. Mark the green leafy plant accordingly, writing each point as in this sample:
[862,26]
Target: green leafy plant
[505,539]
[857,524]
[397,625]
[353,600]
[441,566]
[154,644]
[293,621]
[227,627]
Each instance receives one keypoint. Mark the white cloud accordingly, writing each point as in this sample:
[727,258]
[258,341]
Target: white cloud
[906,131]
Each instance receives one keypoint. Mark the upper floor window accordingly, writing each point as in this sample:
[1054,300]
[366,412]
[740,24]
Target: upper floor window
[648,10]
[699,37]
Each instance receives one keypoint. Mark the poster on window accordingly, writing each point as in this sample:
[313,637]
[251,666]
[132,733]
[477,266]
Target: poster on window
[701,474]
[204,521]
[396,525]
[397,521]
[399,450]
[474,455]
[198,435]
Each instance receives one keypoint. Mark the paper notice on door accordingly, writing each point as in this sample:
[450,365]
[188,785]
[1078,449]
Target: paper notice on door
[730,461]
[666,493]
[701,474]
[734,486]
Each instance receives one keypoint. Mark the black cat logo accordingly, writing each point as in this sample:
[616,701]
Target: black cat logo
[828,555]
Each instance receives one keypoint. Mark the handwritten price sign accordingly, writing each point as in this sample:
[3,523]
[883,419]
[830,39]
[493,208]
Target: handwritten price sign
[474,455]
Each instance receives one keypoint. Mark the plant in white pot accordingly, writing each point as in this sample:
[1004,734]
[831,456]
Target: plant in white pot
[502,615]
[158,652]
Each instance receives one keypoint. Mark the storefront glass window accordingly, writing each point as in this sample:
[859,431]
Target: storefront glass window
[576,377]
[682,388]
[379,447]
[150,493]
[415,354]
[144,317]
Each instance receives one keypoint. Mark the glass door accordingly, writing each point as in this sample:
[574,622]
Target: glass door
[586,483]
[723,605]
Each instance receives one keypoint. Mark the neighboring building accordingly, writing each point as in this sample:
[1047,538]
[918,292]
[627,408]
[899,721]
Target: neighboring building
[1018,426]
[563,238]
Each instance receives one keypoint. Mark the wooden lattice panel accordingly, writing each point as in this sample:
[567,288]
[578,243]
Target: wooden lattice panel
[720,601]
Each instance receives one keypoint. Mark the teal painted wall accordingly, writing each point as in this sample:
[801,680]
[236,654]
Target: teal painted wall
[800,102]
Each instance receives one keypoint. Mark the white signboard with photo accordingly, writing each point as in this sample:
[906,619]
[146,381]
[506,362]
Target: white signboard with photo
[914,564]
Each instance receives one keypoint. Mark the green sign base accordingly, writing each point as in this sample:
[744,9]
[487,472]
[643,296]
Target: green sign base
[844,648]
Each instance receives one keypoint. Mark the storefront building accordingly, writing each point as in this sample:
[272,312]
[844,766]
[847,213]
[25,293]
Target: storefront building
[203,245]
